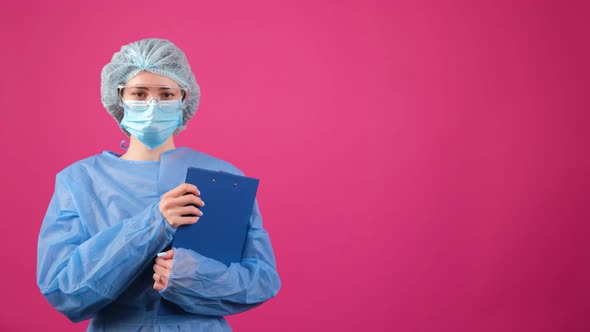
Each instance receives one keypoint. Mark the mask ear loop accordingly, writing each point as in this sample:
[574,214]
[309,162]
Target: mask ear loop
[184,96]
[124,145]
[120,95]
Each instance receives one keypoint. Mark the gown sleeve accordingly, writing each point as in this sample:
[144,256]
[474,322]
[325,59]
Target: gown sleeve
[79,274]
[205,286]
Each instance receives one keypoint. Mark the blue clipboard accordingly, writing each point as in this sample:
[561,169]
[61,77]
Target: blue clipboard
[221,232]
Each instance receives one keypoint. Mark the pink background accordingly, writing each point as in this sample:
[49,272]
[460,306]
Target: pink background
[424,165]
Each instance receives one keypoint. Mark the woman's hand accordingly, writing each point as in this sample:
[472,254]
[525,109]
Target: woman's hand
[175,205]
[162,270]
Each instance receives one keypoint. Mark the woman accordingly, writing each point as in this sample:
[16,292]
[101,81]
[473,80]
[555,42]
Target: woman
[112,214]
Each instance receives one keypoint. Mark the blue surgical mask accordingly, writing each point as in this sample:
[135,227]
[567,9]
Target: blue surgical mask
[152,122]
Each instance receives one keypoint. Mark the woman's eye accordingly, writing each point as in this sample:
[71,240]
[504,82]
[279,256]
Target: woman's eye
[168,95]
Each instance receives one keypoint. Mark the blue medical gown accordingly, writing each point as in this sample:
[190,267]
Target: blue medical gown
[103,229]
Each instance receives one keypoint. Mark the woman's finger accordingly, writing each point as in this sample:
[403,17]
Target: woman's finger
[182,212]
[166,255]
[159,282]
[182,189]
[167,263]
[180,221]
[162,271]
[188,210]
[169,254]
[189,199]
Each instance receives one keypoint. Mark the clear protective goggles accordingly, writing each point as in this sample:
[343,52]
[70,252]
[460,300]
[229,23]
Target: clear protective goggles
[149,93]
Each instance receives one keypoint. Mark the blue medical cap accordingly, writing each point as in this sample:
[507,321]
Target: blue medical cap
[158,56]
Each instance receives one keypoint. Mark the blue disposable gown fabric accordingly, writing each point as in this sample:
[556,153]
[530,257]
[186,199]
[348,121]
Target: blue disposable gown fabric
[103,229]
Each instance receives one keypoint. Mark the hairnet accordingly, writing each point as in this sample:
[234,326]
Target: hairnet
[158,56]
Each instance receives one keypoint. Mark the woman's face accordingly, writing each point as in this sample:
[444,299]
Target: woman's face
[153,108]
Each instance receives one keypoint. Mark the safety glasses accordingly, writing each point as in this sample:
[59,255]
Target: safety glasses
[148,92]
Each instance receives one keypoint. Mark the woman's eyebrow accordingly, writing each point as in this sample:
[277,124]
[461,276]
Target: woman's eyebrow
[161,88]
